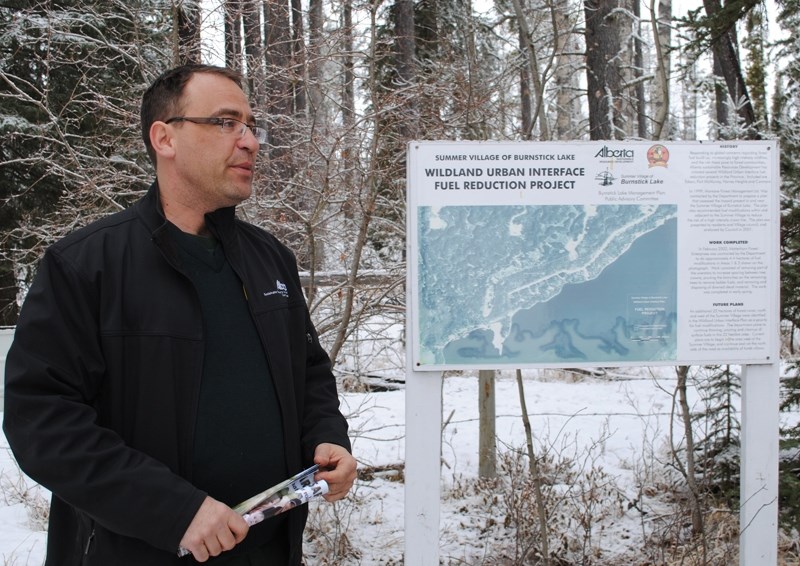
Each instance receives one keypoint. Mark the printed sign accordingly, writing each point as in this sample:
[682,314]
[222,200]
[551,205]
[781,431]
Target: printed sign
[534,254]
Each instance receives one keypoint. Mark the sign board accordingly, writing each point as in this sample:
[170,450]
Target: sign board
[587,254]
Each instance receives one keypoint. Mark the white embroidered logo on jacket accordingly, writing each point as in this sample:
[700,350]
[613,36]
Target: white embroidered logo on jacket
[280,289]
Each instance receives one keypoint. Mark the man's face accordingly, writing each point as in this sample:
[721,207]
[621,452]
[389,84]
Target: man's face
[214,167]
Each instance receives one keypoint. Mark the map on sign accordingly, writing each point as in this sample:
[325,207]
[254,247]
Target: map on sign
[547,283]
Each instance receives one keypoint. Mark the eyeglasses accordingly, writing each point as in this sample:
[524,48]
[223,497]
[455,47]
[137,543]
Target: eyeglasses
[227,125]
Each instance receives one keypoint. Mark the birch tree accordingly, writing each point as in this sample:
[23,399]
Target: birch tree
[689,99]
[570,114]
[661,19]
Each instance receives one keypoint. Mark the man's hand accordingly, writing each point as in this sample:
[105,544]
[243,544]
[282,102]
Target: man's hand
[214,529]
[337,467]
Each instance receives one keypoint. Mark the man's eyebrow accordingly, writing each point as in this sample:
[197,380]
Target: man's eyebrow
[229,112]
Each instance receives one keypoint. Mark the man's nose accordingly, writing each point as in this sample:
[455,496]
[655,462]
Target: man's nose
[249,141]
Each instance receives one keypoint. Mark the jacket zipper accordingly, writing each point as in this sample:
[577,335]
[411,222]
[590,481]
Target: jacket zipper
[89,543]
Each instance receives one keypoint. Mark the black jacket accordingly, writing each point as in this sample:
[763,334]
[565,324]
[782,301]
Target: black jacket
[103,377]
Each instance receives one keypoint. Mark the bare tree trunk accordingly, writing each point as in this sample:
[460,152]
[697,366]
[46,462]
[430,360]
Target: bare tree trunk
[278,58]
[627,23]
[298,62]
[604,79]
[721,116]
[638,70]
[568,109]
[689,103]
[724,48]
[662,37]
[186,15]
[529,49]
[405,42]
[233,34]
[348,76]
[487,444]
[691,480]
[537,478]
[348,104]
[526,111]
[314,59]
[475,120]
[254,49]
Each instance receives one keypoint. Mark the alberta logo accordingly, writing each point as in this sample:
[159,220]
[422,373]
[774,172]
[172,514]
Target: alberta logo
[658,156]
[615,155]
[280,289]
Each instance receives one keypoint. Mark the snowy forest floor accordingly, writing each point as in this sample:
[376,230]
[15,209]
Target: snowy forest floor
[610,486]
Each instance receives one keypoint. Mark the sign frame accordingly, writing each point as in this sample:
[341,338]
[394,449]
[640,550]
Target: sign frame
[676,178]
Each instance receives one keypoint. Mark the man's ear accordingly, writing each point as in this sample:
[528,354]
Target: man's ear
[161,139]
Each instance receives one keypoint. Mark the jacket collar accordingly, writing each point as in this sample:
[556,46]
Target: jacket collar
[221,222]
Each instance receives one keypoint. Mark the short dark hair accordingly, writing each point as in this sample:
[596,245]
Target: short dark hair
[162,99]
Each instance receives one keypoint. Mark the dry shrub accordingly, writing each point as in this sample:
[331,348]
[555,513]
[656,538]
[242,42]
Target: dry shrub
[17,489]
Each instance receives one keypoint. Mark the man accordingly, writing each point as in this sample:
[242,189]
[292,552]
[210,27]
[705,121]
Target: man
[164,366]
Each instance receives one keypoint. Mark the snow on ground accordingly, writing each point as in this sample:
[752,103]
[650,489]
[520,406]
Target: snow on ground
[22,542]
[617,425]
[614,424]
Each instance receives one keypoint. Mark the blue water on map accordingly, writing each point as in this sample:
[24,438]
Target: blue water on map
[626,313]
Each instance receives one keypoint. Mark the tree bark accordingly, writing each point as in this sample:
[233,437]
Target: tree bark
[724,49]
[568,110]
[541,509]
[348,76]
[721,115]
[529,49]
[526,110]
[253,51]
[604,78]
[405,46]
[233,34]
[279,89]
[187,22]
[691,480]
[487,431]
[638,64]
[298,53]
[662,37]
[314,59]
[348,104]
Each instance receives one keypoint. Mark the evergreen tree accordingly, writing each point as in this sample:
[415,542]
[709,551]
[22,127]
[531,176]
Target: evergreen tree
[756,65]
[715,31]
[786,124]
[717,460]
[72,75]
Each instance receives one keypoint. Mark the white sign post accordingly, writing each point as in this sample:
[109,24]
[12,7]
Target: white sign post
[758,492]
[591,254]
[422,472]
